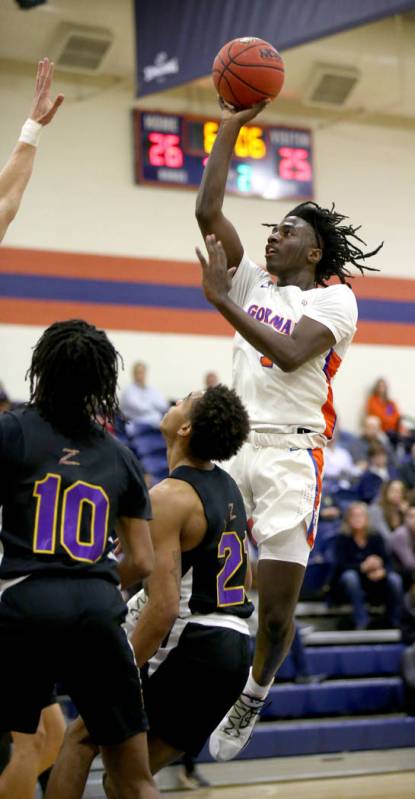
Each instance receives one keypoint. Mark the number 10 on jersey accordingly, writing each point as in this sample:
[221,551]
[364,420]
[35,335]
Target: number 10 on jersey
[72,504]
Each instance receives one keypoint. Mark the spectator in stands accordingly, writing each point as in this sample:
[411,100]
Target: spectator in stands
[403,547]
[385,409]
[141,402]
[362,569]
[338,463]
[407,470]
[378,472]
[5,403]
[388,512]
[371,433]
[211,380]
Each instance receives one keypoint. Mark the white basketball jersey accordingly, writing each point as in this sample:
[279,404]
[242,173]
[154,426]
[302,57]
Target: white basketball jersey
[303,398]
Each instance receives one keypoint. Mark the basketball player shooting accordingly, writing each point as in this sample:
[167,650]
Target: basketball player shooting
[291,337]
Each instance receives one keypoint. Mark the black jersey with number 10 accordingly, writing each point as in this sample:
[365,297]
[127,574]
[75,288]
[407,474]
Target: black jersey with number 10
[62,497]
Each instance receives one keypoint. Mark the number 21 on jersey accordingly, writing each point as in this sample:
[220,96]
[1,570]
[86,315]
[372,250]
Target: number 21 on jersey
[231,548]
[72,504]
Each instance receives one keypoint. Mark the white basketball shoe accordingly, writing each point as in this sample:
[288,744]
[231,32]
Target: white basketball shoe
[236,729]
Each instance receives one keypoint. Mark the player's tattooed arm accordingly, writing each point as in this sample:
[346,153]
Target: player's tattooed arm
[176,570]
[309,338]
[163,585]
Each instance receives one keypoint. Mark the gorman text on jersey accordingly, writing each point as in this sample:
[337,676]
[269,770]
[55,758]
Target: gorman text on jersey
[279,323]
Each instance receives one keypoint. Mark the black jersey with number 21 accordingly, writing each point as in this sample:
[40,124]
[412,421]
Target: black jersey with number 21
[219,562]
[61,497]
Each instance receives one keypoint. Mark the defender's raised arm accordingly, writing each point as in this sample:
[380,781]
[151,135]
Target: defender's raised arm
[15,175]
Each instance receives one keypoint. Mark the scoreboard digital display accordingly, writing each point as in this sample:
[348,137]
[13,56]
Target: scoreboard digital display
[272,162]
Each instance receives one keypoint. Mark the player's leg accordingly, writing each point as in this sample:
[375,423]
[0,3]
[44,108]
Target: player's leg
[32,755]
[70,772]
[128,769]
[54,726]
[161,753]
[108,692]
[189,693]
[287,488]
[279,584]
[27,690]
[20,775]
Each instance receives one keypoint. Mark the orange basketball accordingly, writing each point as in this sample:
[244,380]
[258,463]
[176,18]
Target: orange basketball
[248,70]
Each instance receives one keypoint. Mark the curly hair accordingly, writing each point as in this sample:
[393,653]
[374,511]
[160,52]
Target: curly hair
[337,242]
[220,424]
[73,377]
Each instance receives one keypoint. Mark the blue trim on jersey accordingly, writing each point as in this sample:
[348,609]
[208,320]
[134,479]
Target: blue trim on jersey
[313,517]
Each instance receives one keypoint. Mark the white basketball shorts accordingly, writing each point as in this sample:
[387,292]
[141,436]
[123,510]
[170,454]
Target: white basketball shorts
[281,486]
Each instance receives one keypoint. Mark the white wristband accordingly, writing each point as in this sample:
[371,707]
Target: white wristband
[30,132]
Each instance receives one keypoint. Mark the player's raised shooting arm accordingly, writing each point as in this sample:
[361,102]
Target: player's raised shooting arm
[209,202]
[308,340]
[137,550]
[15,175]
[163,585]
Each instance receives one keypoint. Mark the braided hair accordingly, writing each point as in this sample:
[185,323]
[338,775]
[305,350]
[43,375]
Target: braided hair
[338,242]
[73,377]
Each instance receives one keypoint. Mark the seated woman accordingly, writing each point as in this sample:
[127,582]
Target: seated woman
[362,570]
[403,548]
[387,513]
[379,404]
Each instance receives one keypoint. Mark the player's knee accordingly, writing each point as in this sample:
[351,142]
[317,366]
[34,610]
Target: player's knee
[77,735]
[54,724]
[277,624]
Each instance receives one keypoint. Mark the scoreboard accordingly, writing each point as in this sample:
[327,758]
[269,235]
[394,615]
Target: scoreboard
[269,161]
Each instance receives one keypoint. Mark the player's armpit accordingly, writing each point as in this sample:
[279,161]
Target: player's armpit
[138,556]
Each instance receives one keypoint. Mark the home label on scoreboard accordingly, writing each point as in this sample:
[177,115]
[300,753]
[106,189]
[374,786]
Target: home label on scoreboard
[269,161]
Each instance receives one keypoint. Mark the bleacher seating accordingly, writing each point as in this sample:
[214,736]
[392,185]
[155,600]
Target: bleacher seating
[148,445]
[359,707]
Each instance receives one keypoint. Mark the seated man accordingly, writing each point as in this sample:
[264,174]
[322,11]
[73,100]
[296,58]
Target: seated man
[190,626]
[141,402]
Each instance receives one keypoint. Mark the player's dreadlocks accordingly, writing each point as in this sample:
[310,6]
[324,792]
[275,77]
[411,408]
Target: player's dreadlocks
[337,242]
[73,377]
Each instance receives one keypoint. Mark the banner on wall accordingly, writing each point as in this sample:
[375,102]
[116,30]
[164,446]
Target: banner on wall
[176,40]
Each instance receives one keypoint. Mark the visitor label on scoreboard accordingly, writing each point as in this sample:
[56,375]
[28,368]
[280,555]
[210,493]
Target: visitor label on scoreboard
[269,161]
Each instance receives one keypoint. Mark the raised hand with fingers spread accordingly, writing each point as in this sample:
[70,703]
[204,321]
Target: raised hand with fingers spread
[217,278]
[43,109]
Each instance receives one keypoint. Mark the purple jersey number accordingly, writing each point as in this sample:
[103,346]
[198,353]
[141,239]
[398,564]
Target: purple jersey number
[229,547]
[75,498]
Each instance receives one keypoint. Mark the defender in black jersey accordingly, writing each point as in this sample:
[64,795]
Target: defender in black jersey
[67,488]
[190,627]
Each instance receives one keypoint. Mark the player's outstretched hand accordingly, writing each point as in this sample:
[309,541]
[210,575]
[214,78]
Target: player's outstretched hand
[217,278]
[241,115]
[43,109]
